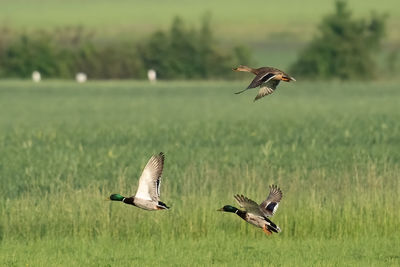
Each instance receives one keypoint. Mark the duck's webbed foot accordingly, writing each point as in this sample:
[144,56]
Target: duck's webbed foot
[266,231]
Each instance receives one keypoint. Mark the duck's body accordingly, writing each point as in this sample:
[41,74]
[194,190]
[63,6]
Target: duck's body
[148,193]
[267,78]
[140,203]
[255,214]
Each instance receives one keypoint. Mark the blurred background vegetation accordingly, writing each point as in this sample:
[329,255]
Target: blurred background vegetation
[178,52]
[344,48]
[123,39]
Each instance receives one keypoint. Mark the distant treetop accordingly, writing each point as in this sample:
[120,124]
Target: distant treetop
[344,48]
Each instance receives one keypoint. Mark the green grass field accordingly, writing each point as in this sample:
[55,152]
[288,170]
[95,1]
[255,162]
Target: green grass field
[333,148]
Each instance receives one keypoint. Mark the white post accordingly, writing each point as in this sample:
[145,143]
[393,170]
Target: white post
[152,75]
[81,77]
[36,77]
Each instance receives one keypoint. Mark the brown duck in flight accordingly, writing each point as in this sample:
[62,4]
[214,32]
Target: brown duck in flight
[258,215]
[267,78]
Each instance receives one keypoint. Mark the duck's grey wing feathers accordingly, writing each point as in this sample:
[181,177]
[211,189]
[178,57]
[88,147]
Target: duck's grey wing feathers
[247,204]
[260,79]
[267,89]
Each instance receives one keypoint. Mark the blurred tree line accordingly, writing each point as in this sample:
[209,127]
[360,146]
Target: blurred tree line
[179,53]
[344,48]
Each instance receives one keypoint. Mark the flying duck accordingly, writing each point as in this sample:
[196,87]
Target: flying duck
[148,193]
[267,78]
[258,215]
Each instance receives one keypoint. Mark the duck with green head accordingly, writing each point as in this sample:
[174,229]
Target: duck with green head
[148,193]
[255,214]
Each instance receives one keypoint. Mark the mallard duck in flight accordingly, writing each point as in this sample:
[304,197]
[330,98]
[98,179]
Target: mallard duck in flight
[258,215]
[148,193]
[267,78]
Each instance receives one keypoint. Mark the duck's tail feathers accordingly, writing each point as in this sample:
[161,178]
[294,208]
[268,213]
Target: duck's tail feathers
[273,227]
[162,206]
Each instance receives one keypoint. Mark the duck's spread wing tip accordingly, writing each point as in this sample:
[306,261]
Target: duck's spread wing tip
[270,205]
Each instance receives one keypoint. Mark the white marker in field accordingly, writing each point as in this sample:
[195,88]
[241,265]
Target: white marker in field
[36,77]
[81,77]
[152,75]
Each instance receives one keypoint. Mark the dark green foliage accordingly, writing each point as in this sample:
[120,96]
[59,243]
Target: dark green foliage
[179,53]
[28,54]
[63,53]
[344,48]
[189,53]
[107,62]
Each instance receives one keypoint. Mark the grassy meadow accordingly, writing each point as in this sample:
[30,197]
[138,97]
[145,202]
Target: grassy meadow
[333,148]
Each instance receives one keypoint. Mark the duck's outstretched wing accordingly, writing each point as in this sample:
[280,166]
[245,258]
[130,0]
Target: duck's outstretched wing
[247,204]
[267,89]
[150,180]
[260,79]
[270,205]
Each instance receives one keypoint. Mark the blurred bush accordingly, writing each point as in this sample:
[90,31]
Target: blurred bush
[179,53]
[64,52]
[27,54]
[189,53]
[345,48]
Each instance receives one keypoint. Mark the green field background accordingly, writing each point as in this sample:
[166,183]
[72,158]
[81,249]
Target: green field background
[268,20]
[333,148]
